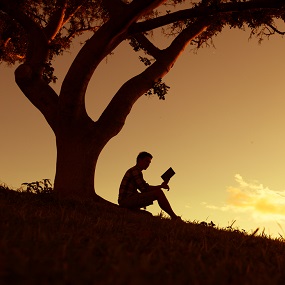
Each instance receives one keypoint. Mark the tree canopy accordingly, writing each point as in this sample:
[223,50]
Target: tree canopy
[59,22]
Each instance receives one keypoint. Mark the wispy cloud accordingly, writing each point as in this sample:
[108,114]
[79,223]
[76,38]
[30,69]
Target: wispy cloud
[253,197]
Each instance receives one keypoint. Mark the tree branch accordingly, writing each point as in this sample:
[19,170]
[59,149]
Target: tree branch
[114,7]
[69,15]
[41,95]
[56,21]
[276,30]
[120,106]
[104,41]
[145,5]
[147,45]
[195,12]
[28,76]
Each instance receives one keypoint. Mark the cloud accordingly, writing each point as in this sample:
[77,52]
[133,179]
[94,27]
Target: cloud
[261,202]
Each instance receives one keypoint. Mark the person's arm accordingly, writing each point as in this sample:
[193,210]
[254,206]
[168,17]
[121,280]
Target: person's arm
[163,185]
[143,186]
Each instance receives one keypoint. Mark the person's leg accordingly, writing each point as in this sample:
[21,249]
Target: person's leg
[138,200]
[164,204]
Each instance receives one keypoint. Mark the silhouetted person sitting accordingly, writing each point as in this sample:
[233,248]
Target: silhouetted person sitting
[131,198]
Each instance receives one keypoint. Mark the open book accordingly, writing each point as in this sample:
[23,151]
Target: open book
[167,174]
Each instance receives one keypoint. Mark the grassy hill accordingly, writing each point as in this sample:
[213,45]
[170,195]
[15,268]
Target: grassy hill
[44,241]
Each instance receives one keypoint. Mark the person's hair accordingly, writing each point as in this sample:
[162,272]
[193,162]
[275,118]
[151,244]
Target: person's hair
[143,154]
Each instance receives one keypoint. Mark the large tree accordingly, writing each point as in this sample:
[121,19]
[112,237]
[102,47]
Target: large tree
[34,32]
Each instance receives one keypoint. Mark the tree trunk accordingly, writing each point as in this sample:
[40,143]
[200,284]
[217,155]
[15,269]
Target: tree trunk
[78,147]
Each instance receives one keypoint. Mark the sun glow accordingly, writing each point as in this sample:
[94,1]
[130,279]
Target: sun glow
[264,203]
[254,206]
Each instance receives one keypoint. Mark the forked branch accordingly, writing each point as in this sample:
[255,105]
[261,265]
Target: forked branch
[147,45]
[56,20]
[275,30]
[118,109]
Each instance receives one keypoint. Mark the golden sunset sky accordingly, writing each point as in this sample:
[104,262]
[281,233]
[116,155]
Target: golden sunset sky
[221,128]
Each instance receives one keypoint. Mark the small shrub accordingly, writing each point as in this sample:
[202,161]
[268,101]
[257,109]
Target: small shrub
[38,187]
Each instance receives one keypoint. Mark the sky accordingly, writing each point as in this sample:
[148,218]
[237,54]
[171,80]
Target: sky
[221,128]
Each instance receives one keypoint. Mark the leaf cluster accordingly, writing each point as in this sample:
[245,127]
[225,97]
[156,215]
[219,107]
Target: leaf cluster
[260,21]
[159,88]
[13,42]
[80,16]
[255,19]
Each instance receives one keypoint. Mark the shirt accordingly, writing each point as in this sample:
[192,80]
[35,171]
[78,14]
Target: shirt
[132,182]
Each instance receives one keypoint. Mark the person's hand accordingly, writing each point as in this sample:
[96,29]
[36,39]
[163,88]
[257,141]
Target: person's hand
[164,185]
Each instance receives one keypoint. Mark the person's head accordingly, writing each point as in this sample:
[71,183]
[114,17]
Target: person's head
[144,160]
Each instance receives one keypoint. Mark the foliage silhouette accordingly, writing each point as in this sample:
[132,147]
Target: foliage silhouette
[38,187]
